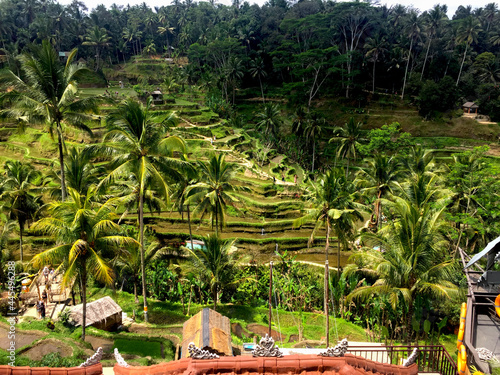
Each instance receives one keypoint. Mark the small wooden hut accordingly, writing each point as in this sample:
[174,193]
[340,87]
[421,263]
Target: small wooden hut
[208,330]
[157,97]
[104,313]
[470,107]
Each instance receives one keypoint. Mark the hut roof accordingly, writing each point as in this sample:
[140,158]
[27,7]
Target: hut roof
[97,311]
[156,92]
[470,105]
[304,364]
[208,330]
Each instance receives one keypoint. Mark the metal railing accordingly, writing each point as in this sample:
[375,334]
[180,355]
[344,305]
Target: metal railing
[430,359]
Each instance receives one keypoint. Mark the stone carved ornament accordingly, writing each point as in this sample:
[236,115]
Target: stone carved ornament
[266,348]
[411,359]
[197,353]
[94,360]
[338,351]
[119,359]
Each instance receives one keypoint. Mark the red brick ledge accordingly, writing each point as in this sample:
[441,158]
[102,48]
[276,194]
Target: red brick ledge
[25,370]
[303,364]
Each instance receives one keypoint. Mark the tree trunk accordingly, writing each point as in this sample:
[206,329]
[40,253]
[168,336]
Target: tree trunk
[84,298]
[338,257]
[327,239]
[143,266]
[462,65]
[21,239]
[425,60]
[61,160]
[215,298]
[314,153]
[406,70]
[190,232]
[135,291]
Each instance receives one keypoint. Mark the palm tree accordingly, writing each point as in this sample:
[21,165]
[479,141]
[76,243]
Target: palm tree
[413,259]
[83,230]
[142,152]
[233,70]
[468,32]
[413,29]
[47,94]
[98,38]
[167,31]
[349,138]
[313,129]
[333,208]
[375,47]
[269,119]
[130,262]
[21,190]
[215,261]
[80,173]
[379,177]
[434,20]
[216,189]
[257,69]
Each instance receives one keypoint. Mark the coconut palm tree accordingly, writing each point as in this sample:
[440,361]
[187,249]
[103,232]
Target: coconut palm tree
[413,30]
[21,188]
[411,260]
[269,119]
[314,127]
[130,262]
[467,33]
[333,207]
[375,47]
[349,138]
[98,38]
[216,189]
[46,93]
[215,262]
[434,20]
[257,69]
[141,152]
[378,178]
[81,174]
[83,230]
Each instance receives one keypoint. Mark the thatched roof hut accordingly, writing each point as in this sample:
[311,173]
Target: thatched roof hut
[103,314]
[208,330]
[470,107]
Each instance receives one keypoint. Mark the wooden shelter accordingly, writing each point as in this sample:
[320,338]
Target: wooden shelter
[470,107]
[104,313]
[157,97]
[208,330]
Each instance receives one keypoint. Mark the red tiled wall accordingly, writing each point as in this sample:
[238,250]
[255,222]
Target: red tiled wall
[91,370]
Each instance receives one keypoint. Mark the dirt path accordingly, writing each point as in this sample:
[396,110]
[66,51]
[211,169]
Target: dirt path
[22,338]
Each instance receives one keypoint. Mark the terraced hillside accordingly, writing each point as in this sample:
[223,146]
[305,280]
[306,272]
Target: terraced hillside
[262,219]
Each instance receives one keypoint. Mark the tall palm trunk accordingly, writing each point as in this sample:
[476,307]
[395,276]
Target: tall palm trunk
[406,70]
[373,83]
[143,266]
[314,153]
[61,160]
[426,56]
[189,223]
[84,298]
[327,239]
[262,90]
[462,65]
[20,239]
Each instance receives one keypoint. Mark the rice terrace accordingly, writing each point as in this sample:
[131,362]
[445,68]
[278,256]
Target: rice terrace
[288,187]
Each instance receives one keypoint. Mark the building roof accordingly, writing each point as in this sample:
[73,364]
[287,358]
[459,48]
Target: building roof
[25,370]
[302,364]
[470,105]
[97,311]
[208,330]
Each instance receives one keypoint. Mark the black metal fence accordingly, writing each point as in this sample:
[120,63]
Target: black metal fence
[430,359]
